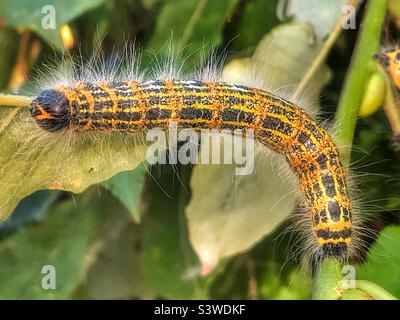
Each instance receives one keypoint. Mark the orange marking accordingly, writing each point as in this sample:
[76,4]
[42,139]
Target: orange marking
[142,101]
[170,87]
[71,96]
[114,99]
[217,106]
[91,101]
[44,115]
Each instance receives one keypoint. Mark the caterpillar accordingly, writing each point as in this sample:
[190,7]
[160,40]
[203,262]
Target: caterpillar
[136,106]
[390,60]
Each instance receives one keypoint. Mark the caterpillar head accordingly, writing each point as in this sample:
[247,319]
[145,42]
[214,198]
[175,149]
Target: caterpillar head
[382,58]
[390,60]
[51,110]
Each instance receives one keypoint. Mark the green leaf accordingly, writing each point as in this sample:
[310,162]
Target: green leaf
[30,209]
[31,14]
[268,271]
[61,240]
[383,258]
[191,22]
[8,49]
[31,159]
[127,187]
[281,60]
[255,19]
[296,286]
[285,55]
[92,243]
[229,214]
[168,262]
[112,269]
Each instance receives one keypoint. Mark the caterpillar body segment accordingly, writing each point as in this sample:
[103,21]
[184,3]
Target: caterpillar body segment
[132,106]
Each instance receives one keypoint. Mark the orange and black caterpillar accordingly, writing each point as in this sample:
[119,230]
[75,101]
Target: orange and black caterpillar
[133,106]
[389,58]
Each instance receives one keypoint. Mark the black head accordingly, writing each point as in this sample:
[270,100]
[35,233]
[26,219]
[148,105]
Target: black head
[51,110]
[382,58]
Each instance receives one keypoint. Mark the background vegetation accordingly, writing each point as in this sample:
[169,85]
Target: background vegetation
[183,232]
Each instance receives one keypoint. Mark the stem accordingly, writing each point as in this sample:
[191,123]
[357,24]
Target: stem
[368,44]
[12,100]
[328,274]
[196,16]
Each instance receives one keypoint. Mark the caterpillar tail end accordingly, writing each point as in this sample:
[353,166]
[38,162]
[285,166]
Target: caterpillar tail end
[333,244]
[338,251]
[334,235]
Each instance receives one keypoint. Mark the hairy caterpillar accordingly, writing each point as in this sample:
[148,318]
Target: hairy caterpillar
[390,60]
[134,106]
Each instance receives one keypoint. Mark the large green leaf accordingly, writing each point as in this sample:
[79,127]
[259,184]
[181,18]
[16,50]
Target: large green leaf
[112,265]
[61,240]
[383,259]
[168,262]
[31,14]
[91,242]
[297,286]
[229,214]
[127,187]
[252,20]
[30,209]
[31,160]
[8,49]
[193,23]
[285,55]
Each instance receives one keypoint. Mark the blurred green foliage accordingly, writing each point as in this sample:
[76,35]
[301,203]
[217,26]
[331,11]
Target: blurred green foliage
[137,234]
